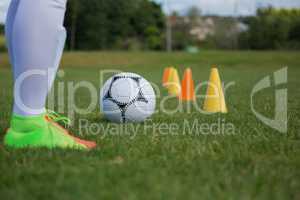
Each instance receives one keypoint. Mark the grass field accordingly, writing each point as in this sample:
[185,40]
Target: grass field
[256,162]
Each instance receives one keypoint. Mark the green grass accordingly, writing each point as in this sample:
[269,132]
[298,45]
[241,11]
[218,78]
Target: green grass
[256,162]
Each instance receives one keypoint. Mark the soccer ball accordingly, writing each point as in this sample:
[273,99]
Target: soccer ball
[127,97]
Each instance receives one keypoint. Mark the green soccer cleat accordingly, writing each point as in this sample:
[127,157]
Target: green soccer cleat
[43,131]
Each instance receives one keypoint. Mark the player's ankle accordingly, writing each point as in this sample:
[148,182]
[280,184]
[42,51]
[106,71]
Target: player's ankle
[27,123]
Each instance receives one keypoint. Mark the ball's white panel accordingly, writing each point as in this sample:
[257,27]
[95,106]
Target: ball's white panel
[139,111]
[111,111]
[124,90]
[147,88]
[148,93]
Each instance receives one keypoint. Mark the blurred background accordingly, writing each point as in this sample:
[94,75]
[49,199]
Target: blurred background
[179,25]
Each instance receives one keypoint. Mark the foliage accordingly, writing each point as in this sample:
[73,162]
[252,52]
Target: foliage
[2,39]
[273,29]
[101,24]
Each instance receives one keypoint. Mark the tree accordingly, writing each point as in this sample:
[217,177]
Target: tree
[74,9]
[102,24]
[273,29]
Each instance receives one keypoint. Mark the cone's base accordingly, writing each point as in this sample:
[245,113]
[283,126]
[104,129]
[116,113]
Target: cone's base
[215,111]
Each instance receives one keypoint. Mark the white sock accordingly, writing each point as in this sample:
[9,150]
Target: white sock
[36,37]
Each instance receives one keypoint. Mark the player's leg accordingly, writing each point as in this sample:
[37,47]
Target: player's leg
[36,39]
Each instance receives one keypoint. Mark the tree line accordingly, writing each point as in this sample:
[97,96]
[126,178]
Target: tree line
[272,29]
[117,24]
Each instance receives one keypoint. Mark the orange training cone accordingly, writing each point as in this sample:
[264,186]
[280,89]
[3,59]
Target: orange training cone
[215,100]
[166,76]
[187,87]
[173,84]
